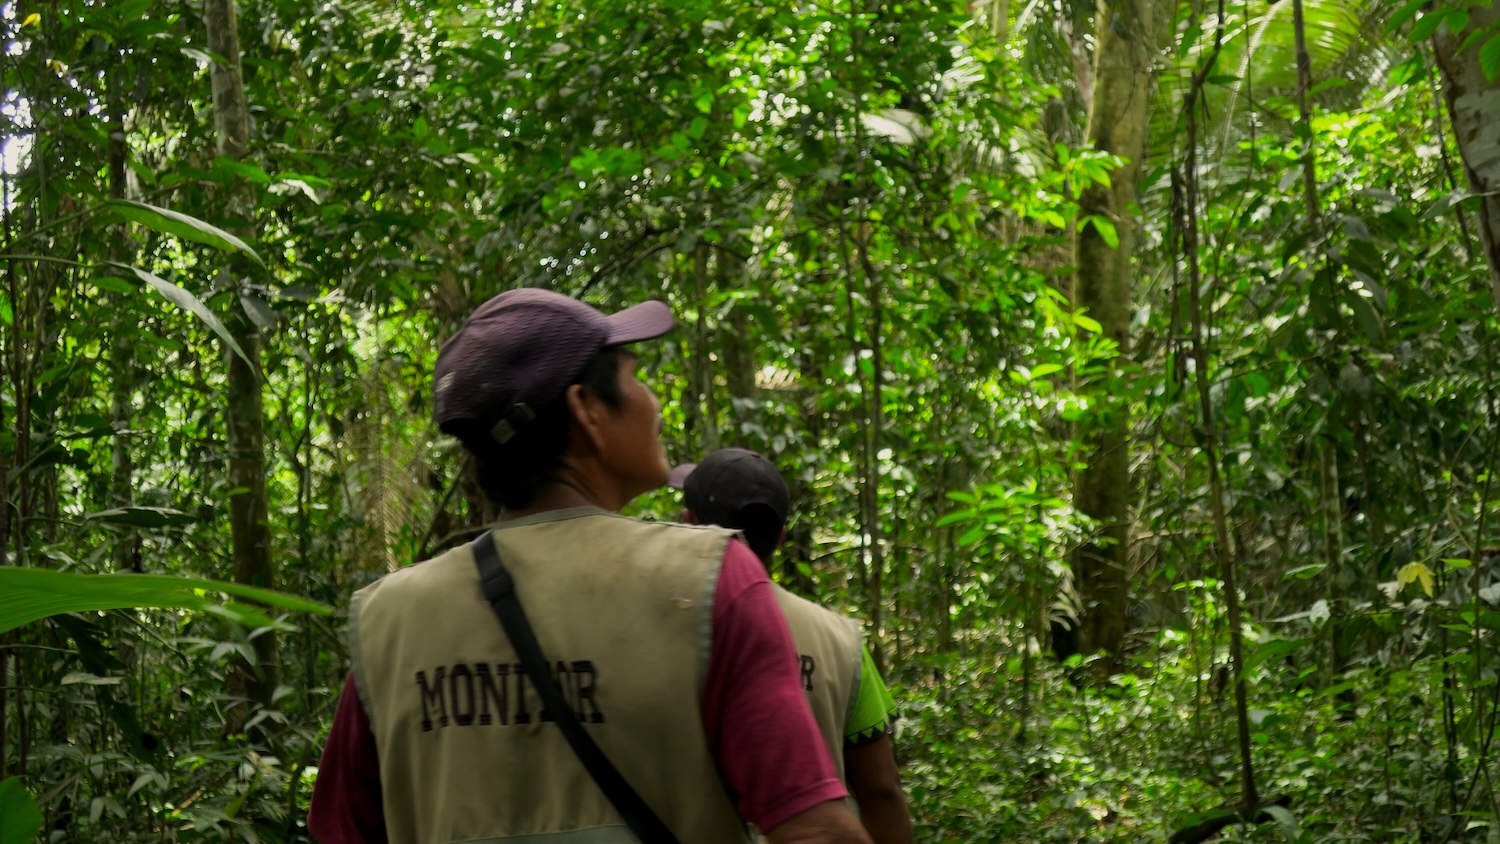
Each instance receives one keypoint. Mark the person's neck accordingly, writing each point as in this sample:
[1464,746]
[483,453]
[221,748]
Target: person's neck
[571,488]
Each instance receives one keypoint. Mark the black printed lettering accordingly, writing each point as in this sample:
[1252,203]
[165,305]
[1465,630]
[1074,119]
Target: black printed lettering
[584,679]
[523,715]
[809,667]
[489,693]
[463,699]
[562,684]
[434,695]
[490,690]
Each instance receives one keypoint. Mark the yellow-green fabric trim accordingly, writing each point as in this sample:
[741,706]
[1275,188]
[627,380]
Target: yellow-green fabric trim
[874,709]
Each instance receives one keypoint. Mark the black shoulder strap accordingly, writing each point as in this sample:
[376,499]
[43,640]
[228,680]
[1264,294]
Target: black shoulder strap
[500,591]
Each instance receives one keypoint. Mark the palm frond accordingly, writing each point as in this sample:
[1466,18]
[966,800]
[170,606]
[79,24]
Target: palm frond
[384,461]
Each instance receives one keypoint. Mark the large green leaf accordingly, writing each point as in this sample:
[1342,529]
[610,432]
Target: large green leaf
[143,517]
[1258,54]
[20,817]
[188,302]
[1489,58]
[181,225]
[27,595]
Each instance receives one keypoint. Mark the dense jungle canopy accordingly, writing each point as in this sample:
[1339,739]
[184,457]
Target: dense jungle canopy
[1133,367]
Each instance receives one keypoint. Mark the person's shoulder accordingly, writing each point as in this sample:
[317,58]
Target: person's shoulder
[789,598]
[434,572]
[663,546]
[672,532]
[795,602]
[677,526]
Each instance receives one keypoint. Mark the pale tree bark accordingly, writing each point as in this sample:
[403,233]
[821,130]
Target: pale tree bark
[1474,107]
[249,521]
[1123,82]
[999,15]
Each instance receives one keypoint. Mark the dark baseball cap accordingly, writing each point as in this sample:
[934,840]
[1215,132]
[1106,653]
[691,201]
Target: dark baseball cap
[521,350]
[719,488]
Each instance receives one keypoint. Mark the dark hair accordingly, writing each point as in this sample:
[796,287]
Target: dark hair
[762,529]
[513,473]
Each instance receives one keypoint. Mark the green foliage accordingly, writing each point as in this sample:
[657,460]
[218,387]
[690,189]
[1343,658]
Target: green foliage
[32,594]
[20,817]
[863,218]
[190,303]
[171,222]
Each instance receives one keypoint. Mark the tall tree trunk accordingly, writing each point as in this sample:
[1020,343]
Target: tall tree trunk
[1224,544]
[739,352]
[703,415]
[1000,20]
[1474,107]
[8,339]
[874,443]
[1330,498]
[1117,124]
[249,520]
[799,545]
[30,287]
[127,553]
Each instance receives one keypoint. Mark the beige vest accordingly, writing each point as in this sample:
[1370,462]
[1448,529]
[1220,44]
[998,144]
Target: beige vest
[623,608]
[828,646]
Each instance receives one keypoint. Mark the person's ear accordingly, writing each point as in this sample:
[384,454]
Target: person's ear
[587,416]
[781,540]
[689,517]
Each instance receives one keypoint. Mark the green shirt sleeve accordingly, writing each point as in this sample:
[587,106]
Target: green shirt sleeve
[872,710]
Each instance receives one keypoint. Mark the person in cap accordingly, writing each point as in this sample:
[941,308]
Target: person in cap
[668,640]
[740,489]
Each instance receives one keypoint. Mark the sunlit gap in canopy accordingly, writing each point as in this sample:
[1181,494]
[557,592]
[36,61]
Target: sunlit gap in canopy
[16,139]
[499,15]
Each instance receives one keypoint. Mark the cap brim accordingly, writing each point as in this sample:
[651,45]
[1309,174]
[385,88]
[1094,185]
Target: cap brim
[679,475]
[645,321]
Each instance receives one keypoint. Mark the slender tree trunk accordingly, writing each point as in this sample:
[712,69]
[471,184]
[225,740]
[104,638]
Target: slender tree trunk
[1331,502]
[1117,124]
[5,638]
[1330,499]
[1000,20]
[739,351]
[1185,222]
[799,535]
[122,350]
[1474,107]
[945,556]
[1439,130]
[7,342]
[707,415]
[874,439]
[1304,111]
[1024,716]
[29,295]
[249,520]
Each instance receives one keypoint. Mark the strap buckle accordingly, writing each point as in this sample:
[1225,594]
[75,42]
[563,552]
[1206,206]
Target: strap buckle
[514,419]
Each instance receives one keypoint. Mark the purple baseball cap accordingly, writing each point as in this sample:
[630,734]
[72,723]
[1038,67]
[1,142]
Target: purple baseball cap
[521,350]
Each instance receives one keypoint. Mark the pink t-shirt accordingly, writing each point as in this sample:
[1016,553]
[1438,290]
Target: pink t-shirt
[763,738]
